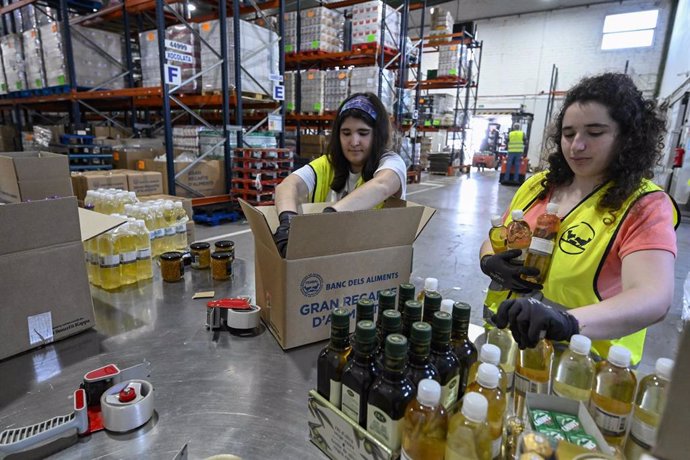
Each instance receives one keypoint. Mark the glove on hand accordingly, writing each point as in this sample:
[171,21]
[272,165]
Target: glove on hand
[499,268]
[280,237]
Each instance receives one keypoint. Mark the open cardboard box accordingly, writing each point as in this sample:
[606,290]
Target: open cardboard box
[333,260]
[28,176]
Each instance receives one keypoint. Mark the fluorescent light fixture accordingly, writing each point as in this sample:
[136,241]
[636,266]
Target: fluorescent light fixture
[631,21]
[620,40]
[191,7]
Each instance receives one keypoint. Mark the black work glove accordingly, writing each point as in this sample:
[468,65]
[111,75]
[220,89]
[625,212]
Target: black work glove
[329,209]
[283,231]
[528,317]
[499,268]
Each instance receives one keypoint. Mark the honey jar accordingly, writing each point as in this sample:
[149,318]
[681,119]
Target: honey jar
[201,255]
[172,268]
[221,265]
[225,246]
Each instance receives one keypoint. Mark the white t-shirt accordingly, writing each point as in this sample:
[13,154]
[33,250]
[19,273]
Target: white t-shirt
[389,160]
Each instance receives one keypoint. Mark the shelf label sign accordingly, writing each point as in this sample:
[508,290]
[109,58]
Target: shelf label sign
[178,46]
[275,123]
[176,56]
[278,92]
[275,77]
[173,74]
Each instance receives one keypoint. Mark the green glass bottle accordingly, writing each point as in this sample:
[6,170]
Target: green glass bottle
[432,304]
[444,358]
[391,323]
[411,314]
[420,366]
[333,358]
[386,302]
[364,311]
[462,346]
[360,373]
[405,292]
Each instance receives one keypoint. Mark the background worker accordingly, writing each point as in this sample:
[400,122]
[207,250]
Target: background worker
[516,150]
[612,271]
[357,172]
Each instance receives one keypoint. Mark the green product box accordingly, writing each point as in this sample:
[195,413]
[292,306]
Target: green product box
[553,433]
[582,440]
[542,419]
[567,423]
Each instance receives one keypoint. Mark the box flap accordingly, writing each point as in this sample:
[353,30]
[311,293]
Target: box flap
[314,235]
[94,223]
[426,215]
[39,165]
[259,225]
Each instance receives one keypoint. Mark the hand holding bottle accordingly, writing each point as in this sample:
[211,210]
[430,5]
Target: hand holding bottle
[282,232]
[528,317]
[500,269]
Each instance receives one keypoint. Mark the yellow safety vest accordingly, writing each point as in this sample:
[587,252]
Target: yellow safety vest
[324,171]
[516,142]
[584,241]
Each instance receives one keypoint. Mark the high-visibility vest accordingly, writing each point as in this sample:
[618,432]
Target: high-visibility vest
[584,241]
[516,142]
[324,171]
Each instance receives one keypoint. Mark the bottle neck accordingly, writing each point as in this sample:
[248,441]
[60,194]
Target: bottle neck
[460,329]
[340,340]
[364,353]
[441,343]
[419,359]
[394,367]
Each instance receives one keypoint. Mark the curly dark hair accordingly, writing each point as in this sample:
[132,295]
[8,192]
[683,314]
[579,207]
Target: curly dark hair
[638,144]
[381,130]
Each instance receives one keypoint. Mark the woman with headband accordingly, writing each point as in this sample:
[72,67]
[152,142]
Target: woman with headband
[357,172]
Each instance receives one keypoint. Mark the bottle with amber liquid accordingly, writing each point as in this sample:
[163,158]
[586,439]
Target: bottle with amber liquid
[420,366]
[543,241]
[462,345]
[406,291]
[391,323]
[425,424]
[503,339]
[444,358]
[411,314]
[574,374]
[333,358]
[432,304]
[468,432]
[359,373]
[489,354]
[498,235]
[430,285]
[532,372]
[487,385]
[519,235]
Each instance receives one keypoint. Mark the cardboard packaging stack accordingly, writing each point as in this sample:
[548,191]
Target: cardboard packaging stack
[290,80]
[143,183]
[313,91]
[3,80]
[13,62]
[259,53]
[366,25]
[449,64]
[33,53]
[186,139]
[321,29]
[33,176]
[206,176]
[441,24]
[211,143]
[312,146]
[366,79]
[337,88]
[435,106]
[183,49]
[131,153]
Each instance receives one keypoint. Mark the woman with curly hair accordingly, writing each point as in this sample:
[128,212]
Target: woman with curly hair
[612,270]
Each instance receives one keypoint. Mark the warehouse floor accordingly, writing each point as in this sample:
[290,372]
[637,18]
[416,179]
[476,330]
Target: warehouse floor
[448,248]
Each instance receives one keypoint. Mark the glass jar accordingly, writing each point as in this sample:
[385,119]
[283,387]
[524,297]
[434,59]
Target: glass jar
[172,268]
[221,266]
[201,255]
[225,246]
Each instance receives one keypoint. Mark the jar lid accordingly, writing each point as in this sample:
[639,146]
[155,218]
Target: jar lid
[225,244]
[221,255]
[171,255]
[201,246]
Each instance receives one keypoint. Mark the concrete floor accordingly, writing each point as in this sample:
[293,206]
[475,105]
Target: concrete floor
[448,248]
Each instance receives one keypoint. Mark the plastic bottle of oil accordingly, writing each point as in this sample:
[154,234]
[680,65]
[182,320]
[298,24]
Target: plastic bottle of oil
[391,323]
[359,373]
[126,246]
[94,264]
[432,304]
[389,395]
[444,358]
[532,372]
[519,235]
[108,205]
[109,260]
[489,354]
[503,339]
[613,395]
[425,424]
[574,375]
[411,314]
[430,285]
[406,291]
[333,358]
[541,247]
[90,200]
[181,220]
[487,384]
[420,366]
[462,345]
[386,302]
[468,432]
[143,244]
[170,225]
[649,407]
[498,235]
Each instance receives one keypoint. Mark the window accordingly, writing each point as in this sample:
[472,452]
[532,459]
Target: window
[629,30]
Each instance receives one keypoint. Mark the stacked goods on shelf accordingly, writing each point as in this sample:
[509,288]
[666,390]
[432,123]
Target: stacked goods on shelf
[312,146]
[313,87]
[206,177]
[449,64]
[441,24]
[13,61]
[260,140]
[211,143]
[424,151]
[407,102]
[259,54]
[182,49]
[366,79]
[257,171]
[35,71]
[3,80]
[320,30]
[366,25]
[337,88]
[186,139]
[290,80]
[28,17]
[437,109]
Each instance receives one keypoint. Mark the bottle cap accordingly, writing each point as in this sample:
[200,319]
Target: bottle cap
[129,208]
[462,311]
[552,208]
[177,204]
[391,320]
[496,220]
[365,331]
[420,332]
[619,356]
[387,299]
[664,367]
[447,305]
[430,284]
[429,392]
[406,290]
[433,300]
[168,205]
[134,195]
[580,344]
[490,354]
[517,214]
[340,318]
[396,346]
[365,309]
[474,407]
[413,309]
[442,323]
[488,375]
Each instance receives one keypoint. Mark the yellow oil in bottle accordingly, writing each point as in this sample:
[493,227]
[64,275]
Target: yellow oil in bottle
[150,220]
[430,285]
[574,374]
[468,432]
[519,235]
[503,339]
[181,220]
[170,226]
[543,241]
[613,395]
[92,261]
[487,385]
[425,424]
[143,245]
[109,261]
[532,372]
[490,354]
[126,246]
[498,235]
[165,240]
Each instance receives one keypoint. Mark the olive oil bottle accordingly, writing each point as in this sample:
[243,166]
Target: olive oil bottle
[444,358]
[359,373]
[406,291]
[462,346]
[498,234]
[425,424]
[333,358]
[411,314]
[489,354]
[468,433]
[543,241]
[387,301]
[432,304]
[574,375]
[389,395]
[430,285]
[391,323]
[420,366]
[487,385]
[519,235]
[503,339]
[364,311]
[532,372]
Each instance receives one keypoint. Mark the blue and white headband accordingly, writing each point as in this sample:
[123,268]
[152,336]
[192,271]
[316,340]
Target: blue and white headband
[361,103]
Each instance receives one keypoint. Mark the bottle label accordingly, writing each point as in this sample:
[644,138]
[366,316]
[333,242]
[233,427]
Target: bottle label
[643,433]
[160,232]
[449,392]
[610,424]
[541,245]
[525,385]
[109,261]
[143,254]
[181,228]
[170,231]
[152,235]
[128,257]
[496,447]
[510,380]
[349,402]
[384,428]
[335,393]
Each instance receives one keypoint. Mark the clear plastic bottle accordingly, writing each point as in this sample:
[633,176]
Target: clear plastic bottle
[94,264]
[97,201]
[333,357]
[359,373]
[541,247]
[444,358]
[143,244]
[150,219]
[468,432]
[613,395]
[503,339]
[425,424]
[649,407]
[120,201]
[108,204]
[574,375]
[170,225]
[489,354]
[498,235]
[486,385]
[519,235]
[90,200]
[109,260]
[126,246]
[430,285]
[532,372]
[181,220]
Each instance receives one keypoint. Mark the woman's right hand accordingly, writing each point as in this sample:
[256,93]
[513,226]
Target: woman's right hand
[280,237]
[500,269]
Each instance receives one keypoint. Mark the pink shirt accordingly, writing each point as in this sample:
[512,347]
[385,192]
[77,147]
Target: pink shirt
[648,225]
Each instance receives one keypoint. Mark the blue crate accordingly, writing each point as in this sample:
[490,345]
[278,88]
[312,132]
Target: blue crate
[216,217]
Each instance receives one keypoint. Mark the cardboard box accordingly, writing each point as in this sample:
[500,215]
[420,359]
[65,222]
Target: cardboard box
[206,177]
[92,180]
[144,183]
[131,153]
[33,176]
[112,132]
[327,266]
[312,146]
[8,139]
[191,231]
[43,280]
[186,202]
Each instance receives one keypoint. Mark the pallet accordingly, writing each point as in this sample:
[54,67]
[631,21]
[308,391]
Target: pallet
[216,218]
[414,176]
[363,47]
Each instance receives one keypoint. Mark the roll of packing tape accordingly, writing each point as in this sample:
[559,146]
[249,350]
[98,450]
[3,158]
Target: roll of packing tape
[127,405]
[244,319]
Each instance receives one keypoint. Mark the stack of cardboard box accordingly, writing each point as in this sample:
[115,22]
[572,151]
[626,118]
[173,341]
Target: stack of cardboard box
[312,146]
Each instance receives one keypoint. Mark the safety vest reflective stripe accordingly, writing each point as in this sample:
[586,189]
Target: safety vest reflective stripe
[516,142]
